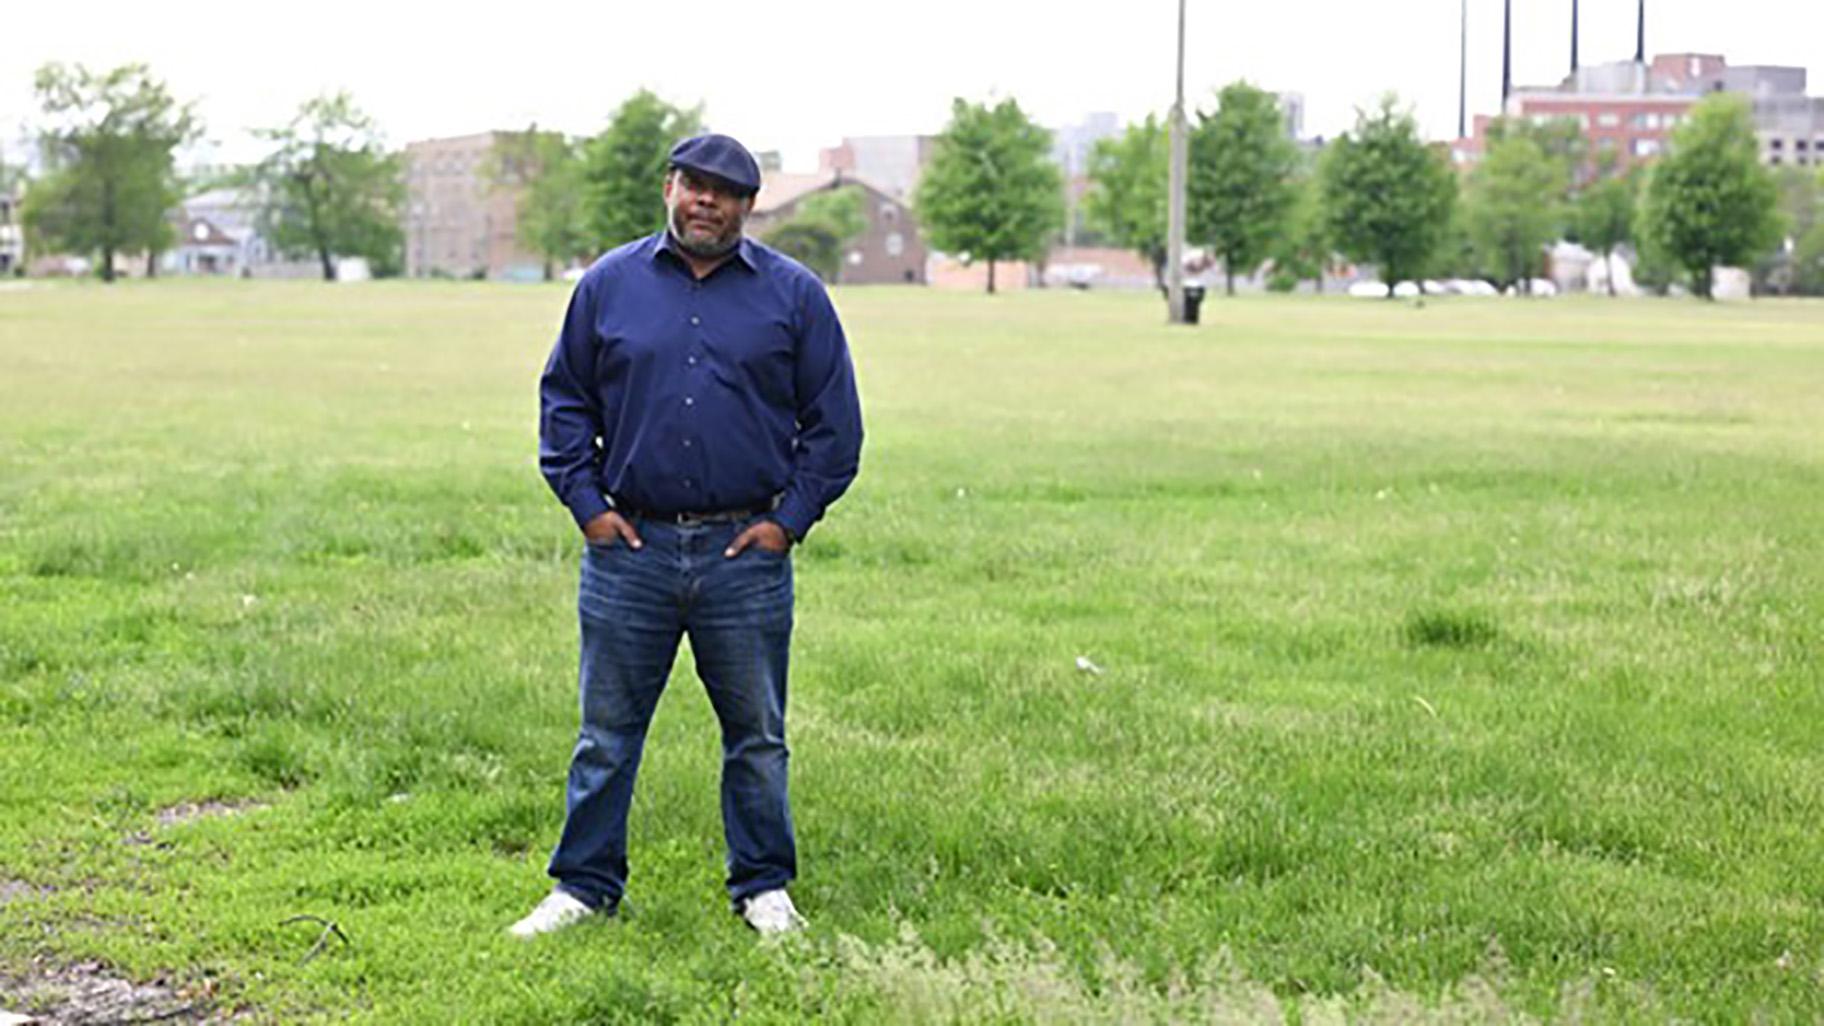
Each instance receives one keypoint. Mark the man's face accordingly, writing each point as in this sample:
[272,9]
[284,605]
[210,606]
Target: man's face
[706,215]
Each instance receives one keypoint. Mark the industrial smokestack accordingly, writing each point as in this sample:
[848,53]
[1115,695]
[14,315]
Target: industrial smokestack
[1573,37]
[1640,35]
[1507,50]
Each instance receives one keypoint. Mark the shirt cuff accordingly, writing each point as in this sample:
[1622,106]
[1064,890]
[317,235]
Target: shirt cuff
[586,504]
[796,516]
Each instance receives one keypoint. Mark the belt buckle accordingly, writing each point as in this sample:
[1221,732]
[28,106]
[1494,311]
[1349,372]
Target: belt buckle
[691,520]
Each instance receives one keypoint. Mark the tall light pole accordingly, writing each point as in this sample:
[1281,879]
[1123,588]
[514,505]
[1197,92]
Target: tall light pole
[1463,70]
[1174,227]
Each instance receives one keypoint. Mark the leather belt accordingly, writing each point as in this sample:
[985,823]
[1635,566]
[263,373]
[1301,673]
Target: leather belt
[692,518]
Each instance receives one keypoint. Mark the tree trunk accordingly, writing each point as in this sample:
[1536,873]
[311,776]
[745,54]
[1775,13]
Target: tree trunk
[1228,279]
[991,277]
[550,270]
[329,266]
[1705,286]
[1159,271]
[1389,283]
[1608,261]
[151,265]
[107,227]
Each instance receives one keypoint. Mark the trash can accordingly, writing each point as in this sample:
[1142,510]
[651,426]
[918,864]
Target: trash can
[1193,302]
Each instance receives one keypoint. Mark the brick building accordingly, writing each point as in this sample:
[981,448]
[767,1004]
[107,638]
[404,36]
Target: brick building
[1630,109]
[457,224]
[889,252]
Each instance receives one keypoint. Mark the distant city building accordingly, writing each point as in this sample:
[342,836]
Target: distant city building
[457,223]
[1292,107]
[1630,109]
[889,252]
[1071,149]
[12,236]
[891,163]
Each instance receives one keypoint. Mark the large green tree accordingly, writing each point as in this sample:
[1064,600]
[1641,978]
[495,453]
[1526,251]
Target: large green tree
[1387,195]
[1127,190]
[624,168]
[1511,208]
[1708,201]
[1301,251]
[108,150]
[1602,217]
[991,192]
[1240,183]
[545,169]
[332,189]
[1801,201]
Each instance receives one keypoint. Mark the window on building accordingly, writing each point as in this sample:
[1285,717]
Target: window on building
[1608,120]
[1774,160]
[889,213]
[1799,144]
[896,244]
[1776,144]
[1606,144]
[1646,147]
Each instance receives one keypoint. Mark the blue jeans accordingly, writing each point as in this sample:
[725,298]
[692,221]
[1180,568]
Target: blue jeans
[634,606]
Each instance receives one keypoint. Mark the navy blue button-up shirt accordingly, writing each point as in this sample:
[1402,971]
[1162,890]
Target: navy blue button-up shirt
[669,394]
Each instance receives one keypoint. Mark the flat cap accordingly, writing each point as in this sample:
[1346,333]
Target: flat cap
[721,156]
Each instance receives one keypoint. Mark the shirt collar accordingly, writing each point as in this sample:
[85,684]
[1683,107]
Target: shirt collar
[743,254]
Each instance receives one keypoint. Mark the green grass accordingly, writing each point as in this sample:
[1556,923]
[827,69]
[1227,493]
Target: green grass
[1460,661]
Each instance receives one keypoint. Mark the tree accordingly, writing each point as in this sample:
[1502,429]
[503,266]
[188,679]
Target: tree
[991,192]
[1708,201]
[1808,262]
[1239,185]
[624,168]
[1302,250]
[108,154]
[821,226]
[1387,195]
[1127,191]
[1801,192]
[331,188]
[1602,217]
[1511,208]
[547,170]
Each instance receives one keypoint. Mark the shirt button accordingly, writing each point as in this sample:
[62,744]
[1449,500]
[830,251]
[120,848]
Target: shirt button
[691,360]
[694,319]
[688,401]
[688,483]
[686,443]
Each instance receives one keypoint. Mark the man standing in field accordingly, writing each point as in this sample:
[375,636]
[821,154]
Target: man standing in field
[697,415]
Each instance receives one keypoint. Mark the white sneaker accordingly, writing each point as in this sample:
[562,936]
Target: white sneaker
[771,912]
[557,911]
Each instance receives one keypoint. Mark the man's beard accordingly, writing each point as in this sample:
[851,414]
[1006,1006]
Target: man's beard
[699,247]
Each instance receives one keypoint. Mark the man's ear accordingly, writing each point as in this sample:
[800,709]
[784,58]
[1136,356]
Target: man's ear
[670,177]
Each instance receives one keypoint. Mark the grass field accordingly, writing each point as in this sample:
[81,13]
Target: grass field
[1460,661]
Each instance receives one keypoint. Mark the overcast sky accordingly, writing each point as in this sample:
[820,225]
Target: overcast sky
[797,75]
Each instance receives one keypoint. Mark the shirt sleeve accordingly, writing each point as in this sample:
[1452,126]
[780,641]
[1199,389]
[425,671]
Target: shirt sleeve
[569,412]
[829,416]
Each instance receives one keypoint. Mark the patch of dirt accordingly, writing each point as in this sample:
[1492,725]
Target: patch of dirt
[90,994]
[190,812]
[19,890]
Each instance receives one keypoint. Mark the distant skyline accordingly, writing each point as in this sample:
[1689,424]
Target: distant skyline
[798,75]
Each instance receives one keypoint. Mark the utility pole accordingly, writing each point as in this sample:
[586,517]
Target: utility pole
[1573,38]
[1463,71]
[1174,229]
[1507,53]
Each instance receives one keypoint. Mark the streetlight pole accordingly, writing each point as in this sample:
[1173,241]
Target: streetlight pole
[1174,230]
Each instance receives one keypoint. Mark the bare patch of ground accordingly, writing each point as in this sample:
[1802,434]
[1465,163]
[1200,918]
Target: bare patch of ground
[91,994]
[190,812]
